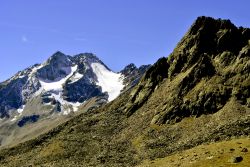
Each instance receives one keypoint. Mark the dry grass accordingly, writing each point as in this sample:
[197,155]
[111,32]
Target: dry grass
[215,154]
[52,149]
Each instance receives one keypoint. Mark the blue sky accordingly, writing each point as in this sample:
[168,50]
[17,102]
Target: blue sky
[117,31]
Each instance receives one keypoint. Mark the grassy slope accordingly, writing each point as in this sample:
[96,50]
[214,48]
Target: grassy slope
[214,154]
[15,134]
[106,137]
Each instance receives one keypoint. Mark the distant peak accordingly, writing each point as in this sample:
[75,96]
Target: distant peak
[59,58]
[131,65]
[127,69]
[88,58]
[87,55]
[58,53]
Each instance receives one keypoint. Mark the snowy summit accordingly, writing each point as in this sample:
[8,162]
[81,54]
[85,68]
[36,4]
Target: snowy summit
[63,83]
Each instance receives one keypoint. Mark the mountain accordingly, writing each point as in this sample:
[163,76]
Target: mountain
[47,94]
[61,79]
[188,109]
[133,74]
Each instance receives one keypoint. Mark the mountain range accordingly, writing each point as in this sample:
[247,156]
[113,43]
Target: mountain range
[53,91]
[191,108]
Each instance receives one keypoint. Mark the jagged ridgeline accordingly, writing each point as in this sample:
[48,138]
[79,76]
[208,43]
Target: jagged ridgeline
[198,94]
[65,80]
[209,66]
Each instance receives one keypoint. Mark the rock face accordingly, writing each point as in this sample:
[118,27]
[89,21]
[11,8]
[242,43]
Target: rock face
[132,74]
[207,68]
[84,88]
[11,95]
[55,68]
[146,86]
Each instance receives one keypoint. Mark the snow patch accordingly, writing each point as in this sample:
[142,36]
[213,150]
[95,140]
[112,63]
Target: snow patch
[66,106]
[21,76]
[14,119]
[75,106]
[76,77]
[56,89]
[110,82]
[20,110]
[34,70]
[38,92]
[58,85]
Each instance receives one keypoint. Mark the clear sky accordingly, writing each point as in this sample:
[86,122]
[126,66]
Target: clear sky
[117,31]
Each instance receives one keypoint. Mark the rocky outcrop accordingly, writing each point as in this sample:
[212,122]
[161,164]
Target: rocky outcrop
[58,66]
[208,67]
[11,96]
[132,74]
[146,86]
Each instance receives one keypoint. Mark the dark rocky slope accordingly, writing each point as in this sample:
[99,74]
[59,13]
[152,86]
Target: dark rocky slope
[199,94]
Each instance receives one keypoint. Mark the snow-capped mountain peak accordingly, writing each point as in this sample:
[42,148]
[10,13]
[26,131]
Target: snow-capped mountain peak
[61,81]
[62,84]
[56,89]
